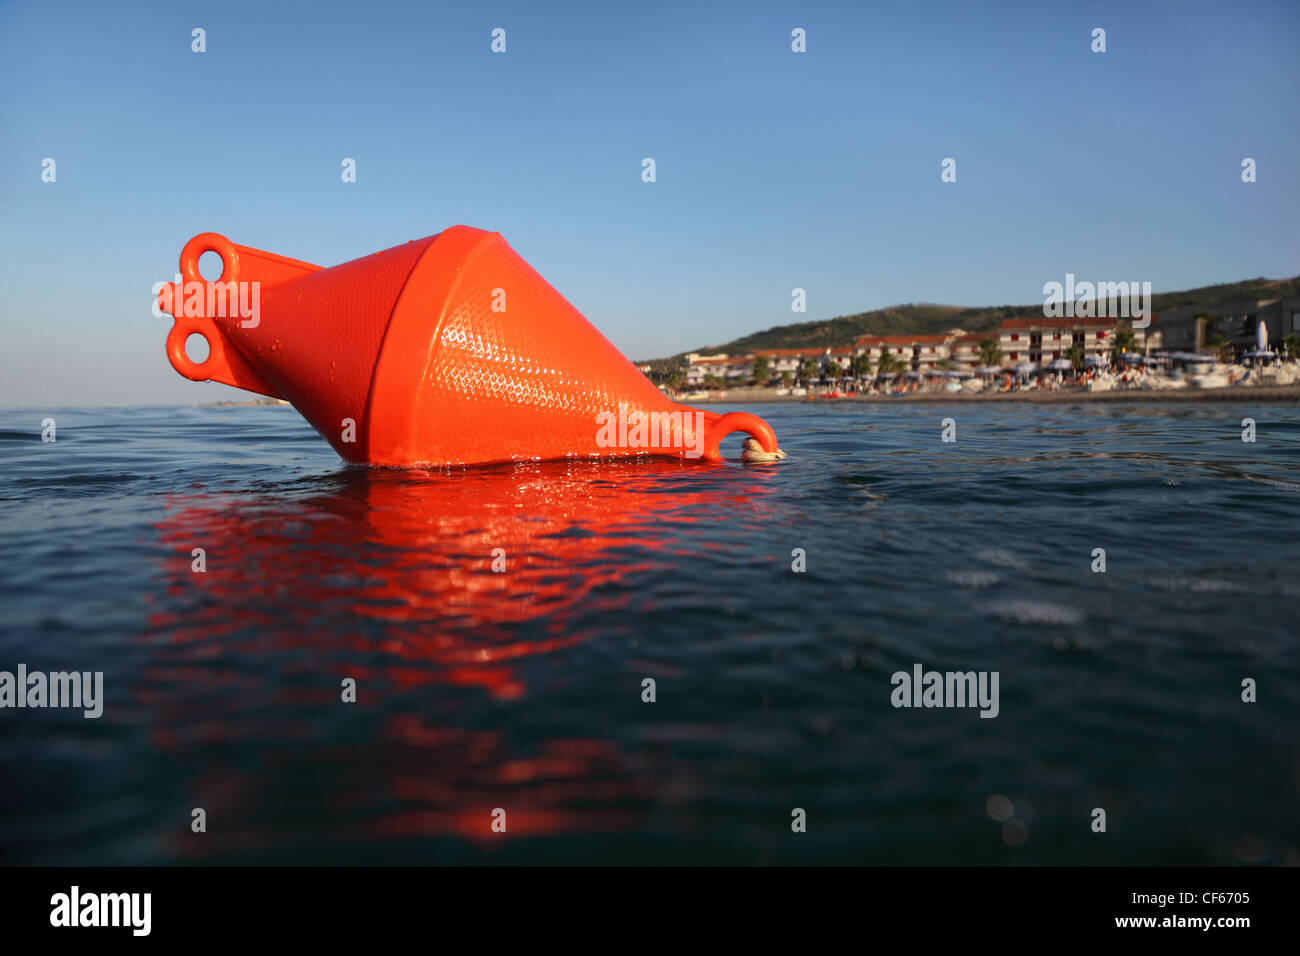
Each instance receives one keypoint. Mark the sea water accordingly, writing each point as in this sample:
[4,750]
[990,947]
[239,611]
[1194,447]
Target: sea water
[651,661]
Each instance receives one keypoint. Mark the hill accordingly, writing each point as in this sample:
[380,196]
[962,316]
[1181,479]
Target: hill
[923,318]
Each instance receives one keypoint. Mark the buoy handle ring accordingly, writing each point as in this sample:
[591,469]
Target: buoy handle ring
[724,425]
[172,298]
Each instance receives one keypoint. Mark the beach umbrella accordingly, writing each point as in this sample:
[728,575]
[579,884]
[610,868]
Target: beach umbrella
[1060,365]
[1261,353]
[1092,360]
[989,370]
[1026,368]
[1134,357]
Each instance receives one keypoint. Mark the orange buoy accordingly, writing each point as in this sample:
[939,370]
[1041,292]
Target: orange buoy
[448,350]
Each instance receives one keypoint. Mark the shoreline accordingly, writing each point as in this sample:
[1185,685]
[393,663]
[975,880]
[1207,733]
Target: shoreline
[1229,393]
[760,396]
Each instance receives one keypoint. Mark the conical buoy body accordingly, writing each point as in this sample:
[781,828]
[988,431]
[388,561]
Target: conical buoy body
[448,350]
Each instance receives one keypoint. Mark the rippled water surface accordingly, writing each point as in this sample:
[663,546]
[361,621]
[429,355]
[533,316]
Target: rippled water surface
[522,690]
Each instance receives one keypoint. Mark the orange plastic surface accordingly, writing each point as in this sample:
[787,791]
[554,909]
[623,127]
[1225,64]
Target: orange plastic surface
[448,350]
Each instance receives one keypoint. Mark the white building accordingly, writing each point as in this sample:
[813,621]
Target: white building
[965,349]
[916,352]
[1042,340]
[789,360]
[720,366]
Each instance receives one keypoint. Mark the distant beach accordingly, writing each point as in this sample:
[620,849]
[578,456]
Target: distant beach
[1229,393]
[751,396]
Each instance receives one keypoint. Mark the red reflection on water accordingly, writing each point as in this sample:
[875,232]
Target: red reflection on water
[417,548]
[387,577]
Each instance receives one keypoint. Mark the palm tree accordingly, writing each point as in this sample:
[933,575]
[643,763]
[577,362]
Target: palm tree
[762,370]
[1217,344]
[990,353]
[889,364]
[1124,341]
[786,378]
[1292,345]
[809,370]
[1075,354]
[712,381]
[861,365]
[1215,341]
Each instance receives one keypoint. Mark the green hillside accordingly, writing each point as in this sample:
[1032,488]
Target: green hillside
[925,318]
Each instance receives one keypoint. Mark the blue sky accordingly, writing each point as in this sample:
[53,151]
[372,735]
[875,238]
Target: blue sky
[774,169]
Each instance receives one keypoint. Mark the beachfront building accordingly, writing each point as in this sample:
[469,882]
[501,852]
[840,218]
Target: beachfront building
[916,352]
[875,346]
[842,356]
[964,350]
[928,351]
[721,366]
[870,346]
[1237,322]
[792,360]
[780,361]
[1042,340]
[1288,316]
[698,366]
[735,368]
